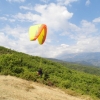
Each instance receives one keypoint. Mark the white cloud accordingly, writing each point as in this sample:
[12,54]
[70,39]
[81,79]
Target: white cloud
[87,3]
[97,20]
[3,18]
[3,38]
[56,16]
[53,15]
[12,20]
[66,2]
[91,44]
[86,39]
[23,7]
[21,42]
[6,19]
[15,0]
[26,17]
[26,7]
[88,27]
[17,39]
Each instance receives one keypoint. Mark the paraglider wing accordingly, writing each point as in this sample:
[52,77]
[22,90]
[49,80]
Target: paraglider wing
[43,33]
[38,31]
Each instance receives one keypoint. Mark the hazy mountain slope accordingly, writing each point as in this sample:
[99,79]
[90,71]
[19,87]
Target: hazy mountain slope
[89,58]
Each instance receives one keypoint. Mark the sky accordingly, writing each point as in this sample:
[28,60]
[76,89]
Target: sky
[73,26]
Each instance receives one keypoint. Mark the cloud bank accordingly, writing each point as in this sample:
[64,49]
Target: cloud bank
[63,36]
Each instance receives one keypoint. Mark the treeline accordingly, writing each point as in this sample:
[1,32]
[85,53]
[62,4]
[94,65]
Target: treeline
[54,74]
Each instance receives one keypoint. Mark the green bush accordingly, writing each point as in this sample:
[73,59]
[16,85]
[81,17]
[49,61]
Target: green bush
[17,70]
[65,84]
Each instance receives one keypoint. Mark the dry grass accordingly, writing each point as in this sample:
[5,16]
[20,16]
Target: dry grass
[12,88]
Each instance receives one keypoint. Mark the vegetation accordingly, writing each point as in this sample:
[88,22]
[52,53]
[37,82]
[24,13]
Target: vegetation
[79,67]
[54,74]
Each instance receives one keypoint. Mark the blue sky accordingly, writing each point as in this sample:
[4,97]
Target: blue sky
[73,26]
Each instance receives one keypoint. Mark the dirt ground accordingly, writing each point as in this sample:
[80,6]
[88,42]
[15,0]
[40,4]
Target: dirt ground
[12,88]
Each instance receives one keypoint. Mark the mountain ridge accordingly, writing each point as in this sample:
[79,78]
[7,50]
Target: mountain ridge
[87,58]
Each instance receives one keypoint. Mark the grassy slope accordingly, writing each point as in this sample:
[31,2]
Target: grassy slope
[54,74]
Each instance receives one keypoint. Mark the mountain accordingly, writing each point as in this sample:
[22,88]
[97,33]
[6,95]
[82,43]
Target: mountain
[88,58]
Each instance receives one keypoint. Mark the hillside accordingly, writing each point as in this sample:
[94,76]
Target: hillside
[94,70]
[87,58]
[83,68]
[12,88]
[54,74]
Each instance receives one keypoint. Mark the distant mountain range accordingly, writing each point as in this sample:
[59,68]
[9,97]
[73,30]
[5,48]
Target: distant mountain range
[91,58]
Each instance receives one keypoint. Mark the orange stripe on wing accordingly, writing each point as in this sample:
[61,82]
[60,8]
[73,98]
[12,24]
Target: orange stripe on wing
[39,31]
[45,29]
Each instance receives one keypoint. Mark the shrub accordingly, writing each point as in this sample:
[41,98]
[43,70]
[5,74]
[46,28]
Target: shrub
[17,70]
[65,84]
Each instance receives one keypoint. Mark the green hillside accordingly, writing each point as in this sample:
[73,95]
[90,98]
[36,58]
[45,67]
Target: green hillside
[54,74]
[87,69]
[79,67]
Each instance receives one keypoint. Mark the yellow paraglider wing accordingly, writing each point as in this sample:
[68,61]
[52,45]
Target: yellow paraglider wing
[33,32]
[38,31]
[42,36]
